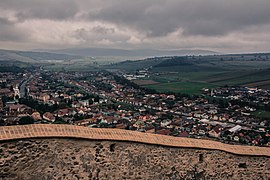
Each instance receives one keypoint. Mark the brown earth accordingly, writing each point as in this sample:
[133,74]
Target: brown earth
[69,158]
[258,84]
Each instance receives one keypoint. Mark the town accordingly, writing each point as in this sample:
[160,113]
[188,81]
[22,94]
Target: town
[103,99]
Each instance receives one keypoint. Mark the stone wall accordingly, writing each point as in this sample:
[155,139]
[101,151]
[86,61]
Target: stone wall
[67,131]
[54,158]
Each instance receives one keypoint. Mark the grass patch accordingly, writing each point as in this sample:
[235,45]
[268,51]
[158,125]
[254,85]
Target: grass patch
[143,82]
[181,87]
[261,114]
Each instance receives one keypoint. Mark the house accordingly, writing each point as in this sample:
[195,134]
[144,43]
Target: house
[86,122]
[66,96]
[81,111]
[236,138]
[75,104]
[183,134]
[48,116]
[165,123]
[150,130]
[5,91]
[139,124]
[101,101]
[235,129]
[63,112]
[163,132]
[36,116]
[44,97]
[55,100]
[109,119]
[1,104]
[16,108]
[84,103]
[120,126]
[201,132]
[215,132]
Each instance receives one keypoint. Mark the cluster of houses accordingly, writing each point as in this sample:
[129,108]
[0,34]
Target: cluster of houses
[9,84]
[142,73]
[246,94]
[99,100]
[169,115]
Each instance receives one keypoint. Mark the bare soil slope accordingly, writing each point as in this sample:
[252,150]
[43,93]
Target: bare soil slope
[85,159]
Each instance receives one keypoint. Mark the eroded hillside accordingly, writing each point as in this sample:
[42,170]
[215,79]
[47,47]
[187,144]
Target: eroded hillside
[88,159]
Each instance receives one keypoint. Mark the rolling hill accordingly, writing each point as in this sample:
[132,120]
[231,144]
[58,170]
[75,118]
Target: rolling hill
[33,57]
[130,53]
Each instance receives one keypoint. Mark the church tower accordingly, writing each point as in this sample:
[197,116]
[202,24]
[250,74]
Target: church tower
[16,91]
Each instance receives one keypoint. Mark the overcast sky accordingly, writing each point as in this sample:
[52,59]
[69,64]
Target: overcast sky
[218,25]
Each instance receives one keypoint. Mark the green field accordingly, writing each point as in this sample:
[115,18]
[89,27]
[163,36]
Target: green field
[181,87]
[261,114]
[193,82]
[189,74]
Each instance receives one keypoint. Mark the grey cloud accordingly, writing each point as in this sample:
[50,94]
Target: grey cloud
[195,17]
[4,21]
[150,23]
[8,32]
[98,33]
[41,9]
[81,34]
[152,17]
[102,30]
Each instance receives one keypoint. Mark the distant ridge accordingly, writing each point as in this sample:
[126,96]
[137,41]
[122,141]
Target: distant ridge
[124,52]
[33,56]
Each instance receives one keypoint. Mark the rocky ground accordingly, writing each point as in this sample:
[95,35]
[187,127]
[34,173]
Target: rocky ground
[83,159]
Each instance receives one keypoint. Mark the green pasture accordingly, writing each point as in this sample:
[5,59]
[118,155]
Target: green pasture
[261,114]
[181,87]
